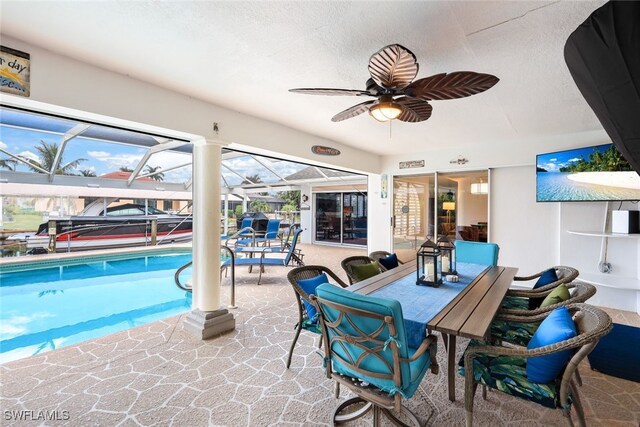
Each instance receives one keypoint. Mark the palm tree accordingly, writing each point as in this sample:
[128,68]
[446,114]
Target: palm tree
[47,154]
[8,164]
[125,169]
[87,172]
[252,179]
[151,169]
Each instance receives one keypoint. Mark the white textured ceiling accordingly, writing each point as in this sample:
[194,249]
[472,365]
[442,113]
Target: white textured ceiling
[246,55]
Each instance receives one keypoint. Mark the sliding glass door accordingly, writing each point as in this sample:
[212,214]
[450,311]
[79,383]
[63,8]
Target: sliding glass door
[341,218]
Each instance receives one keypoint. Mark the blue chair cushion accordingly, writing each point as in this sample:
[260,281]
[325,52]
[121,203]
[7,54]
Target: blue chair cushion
[389,262]
[558,326]
[509,375]
[309,286]
[476,252]
[547,277]
[411,373]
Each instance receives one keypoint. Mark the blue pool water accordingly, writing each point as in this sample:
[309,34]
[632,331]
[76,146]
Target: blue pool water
[45,309]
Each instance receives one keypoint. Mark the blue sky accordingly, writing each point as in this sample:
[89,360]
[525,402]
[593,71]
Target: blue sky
[104,157]
[552,162]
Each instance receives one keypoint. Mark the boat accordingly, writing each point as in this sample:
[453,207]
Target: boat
[95,227]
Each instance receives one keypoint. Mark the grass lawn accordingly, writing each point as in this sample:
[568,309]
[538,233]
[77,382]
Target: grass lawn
[23,221]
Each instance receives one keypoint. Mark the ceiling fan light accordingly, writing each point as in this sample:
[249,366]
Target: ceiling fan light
[385,111]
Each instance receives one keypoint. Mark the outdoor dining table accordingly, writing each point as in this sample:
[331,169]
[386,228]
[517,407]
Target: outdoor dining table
[464,308]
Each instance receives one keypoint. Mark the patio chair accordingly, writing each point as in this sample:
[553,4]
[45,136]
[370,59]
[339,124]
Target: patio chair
[366,350]
[477,252]
[509,326]
[547,280]
[263,261]
[505,368]
[354,261]
[307,318]
[377,255]
[273,228]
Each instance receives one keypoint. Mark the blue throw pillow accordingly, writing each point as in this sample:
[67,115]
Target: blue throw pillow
[309,286]
[547,277]
[389,262]
[558,326]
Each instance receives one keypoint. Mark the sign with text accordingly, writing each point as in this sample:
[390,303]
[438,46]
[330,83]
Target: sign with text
[325,151]
[409,164]
[15,71]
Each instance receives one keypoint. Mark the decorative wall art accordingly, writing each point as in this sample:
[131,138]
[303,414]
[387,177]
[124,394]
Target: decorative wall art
[15,70]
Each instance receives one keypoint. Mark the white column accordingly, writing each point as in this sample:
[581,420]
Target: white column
[206,219]
[245,200]
[226,214]
[208,318]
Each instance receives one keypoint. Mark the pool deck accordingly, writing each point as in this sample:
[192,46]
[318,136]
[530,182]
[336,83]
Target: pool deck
[157,374]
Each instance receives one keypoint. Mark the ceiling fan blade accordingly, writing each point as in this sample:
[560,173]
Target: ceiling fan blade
[331,92]
[414,110]
[373,88]
[459,84]
[393,67]
[352,111]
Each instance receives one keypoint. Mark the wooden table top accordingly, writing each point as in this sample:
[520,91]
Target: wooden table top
[470,313]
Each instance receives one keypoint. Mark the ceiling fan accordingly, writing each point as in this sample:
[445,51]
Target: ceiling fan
[392,70]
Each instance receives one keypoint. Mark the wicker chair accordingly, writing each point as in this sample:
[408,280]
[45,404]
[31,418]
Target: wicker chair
[376,255]
[367,351]
[349,262]
[565,275]
[580,292]
[301,273]
[591,324]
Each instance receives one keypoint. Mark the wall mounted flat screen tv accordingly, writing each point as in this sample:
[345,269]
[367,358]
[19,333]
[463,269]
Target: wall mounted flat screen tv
[597,173]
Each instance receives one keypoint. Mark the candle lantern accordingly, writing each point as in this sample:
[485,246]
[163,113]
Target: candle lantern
[429,264]
[448,251]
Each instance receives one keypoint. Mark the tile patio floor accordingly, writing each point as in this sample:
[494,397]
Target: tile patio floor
[159,375]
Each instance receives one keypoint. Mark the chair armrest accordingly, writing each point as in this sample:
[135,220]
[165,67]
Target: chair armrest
[424,346]
[525,278]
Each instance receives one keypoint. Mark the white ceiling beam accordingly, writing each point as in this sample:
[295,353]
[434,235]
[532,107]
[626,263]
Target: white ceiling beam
[23,160]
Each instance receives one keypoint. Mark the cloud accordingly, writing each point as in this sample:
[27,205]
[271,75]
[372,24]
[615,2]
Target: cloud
[3,145]
[551,166]
[575,159]
[99,154]
[553,160]
[30,155]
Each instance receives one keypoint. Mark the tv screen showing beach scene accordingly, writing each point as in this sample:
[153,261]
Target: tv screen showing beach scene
[597,173]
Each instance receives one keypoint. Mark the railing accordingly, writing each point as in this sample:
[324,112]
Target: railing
[232,264]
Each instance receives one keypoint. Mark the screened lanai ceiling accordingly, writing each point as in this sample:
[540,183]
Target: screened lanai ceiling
[61,148]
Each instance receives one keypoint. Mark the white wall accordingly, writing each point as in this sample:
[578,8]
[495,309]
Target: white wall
[379,224]
[526,231]
[65,82]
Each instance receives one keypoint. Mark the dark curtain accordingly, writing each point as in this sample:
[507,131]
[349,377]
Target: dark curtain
[603,56]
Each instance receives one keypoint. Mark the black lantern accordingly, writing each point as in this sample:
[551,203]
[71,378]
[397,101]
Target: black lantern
[448,251]
[429,264]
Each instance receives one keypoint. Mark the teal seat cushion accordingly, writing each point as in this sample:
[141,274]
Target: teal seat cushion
[411,373]
[518,333]
[515,303]
[509,375]
[476,252]
[309,286]
[557,326]
[389,262]
[549,276]
[364,271]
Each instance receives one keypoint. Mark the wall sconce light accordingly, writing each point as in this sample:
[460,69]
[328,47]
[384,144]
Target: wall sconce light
[305,198]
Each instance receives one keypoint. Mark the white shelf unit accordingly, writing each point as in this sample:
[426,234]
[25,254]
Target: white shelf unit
[603,234]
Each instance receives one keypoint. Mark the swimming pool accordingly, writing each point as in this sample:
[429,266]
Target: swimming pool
[42,309]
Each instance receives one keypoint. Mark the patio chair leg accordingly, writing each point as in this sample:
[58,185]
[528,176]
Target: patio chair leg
[577,403]
[293,344]
[578,378]
[260,274]
[484,392]
[337,389]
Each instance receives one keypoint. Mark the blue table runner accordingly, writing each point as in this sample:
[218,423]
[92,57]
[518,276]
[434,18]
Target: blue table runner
[420,304]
